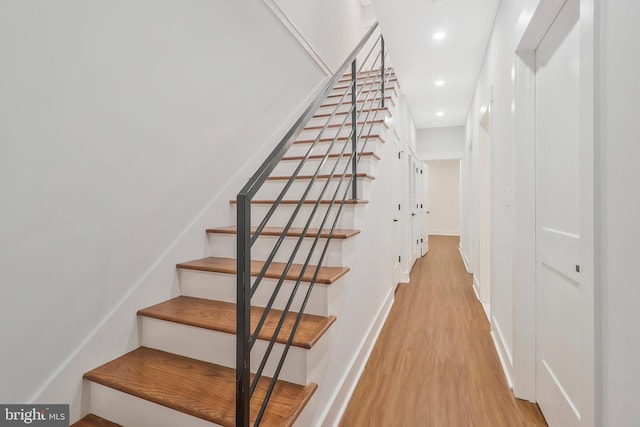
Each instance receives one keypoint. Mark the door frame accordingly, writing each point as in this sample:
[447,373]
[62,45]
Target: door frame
[485,230]
[523,74]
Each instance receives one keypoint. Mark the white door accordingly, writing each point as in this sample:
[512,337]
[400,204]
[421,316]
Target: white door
[414,239]
[424,194]
[396,246]
[558,284]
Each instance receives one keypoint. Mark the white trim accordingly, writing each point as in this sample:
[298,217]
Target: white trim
[503,342]
[505,367]
[463,255]
[540,22]
[476,287]
[443,232]
[297,34]
[334,411]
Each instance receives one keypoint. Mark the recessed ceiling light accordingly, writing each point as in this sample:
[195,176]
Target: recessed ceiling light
[439,82]
[439,35]
[440,114]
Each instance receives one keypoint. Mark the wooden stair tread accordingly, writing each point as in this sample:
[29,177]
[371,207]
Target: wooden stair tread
[344,113]
[326,275]
[339,233]
[221,316]
[304,202]
[322,176]
[94,421]
[342,139]
[332,156]
[197,388]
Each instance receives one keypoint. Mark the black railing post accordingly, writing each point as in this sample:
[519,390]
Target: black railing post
[382,69]
[243,314]
[354,131]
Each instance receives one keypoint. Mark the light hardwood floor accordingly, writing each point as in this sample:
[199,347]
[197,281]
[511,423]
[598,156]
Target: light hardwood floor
[434,363]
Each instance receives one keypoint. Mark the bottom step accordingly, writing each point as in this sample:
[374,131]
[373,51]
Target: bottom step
[200,389]
[94,421]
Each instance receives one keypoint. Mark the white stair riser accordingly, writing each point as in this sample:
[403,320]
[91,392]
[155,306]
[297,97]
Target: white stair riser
[220,348]
[368,127]
[349,218]
[367,164]
[339,118]
[324,300]
[373,145]
[307,138]
[363,107]
[370,89]
[224,245]
[127,410]
[272,188]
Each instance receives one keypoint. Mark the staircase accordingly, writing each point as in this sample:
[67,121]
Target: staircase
[187,371]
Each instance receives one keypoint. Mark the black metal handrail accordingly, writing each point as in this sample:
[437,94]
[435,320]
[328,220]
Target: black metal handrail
[344,181]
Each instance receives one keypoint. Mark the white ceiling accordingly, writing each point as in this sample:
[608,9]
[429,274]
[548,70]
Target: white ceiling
[419,60]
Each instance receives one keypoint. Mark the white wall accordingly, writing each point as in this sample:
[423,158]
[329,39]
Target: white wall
[511,189]
[616,198]
[126,127]
[440,143]
[617,154]
[443,197]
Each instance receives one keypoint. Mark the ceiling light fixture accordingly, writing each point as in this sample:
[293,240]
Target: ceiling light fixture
[440,114]
[439,35]
[439,82]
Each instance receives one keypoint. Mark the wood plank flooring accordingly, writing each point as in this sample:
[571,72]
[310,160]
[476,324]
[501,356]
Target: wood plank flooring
[434,364]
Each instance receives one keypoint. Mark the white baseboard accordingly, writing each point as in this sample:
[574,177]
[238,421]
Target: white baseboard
[465,260]
[506,359]
[476,287]
[340,399]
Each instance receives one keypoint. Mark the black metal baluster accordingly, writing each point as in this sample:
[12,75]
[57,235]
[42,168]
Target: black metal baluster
[382,69]
[354,126]
[243,315]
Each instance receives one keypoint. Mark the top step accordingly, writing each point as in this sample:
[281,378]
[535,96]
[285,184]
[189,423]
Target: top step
[201,389]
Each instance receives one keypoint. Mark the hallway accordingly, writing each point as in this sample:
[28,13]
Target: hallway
[434,363]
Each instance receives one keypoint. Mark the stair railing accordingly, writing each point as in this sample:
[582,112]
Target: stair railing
[374,66]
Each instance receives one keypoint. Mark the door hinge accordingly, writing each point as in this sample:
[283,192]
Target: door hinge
[398,206]
[399,152]
[421,240]
[399,258]
[420,205]
[577,269]
[420,171]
